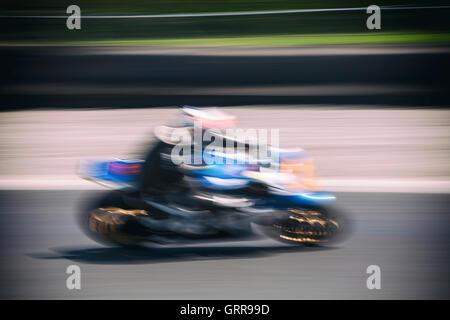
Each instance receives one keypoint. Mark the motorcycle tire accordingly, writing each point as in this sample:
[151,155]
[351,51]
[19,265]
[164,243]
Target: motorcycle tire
[109,221]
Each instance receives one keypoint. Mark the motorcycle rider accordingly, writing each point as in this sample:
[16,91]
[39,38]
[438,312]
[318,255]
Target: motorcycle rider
[161,179]
[160,173]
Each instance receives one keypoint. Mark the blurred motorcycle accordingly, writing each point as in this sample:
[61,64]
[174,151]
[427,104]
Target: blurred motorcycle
[155,201]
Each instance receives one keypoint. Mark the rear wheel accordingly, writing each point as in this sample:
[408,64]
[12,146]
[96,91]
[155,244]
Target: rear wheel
[109,221]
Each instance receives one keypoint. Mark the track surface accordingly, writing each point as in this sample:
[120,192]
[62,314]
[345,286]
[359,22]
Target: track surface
[406,235]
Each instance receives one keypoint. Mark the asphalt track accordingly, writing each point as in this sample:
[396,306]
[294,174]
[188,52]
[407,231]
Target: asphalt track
[63,77]
[406,235]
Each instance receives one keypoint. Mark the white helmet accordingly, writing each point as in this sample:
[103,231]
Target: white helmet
[208,118]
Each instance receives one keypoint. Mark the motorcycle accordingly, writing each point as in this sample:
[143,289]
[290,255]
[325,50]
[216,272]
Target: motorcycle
[227,200]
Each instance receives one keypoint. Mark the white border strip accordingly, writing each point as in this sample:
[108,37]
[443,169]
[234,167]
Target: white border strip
[225,14]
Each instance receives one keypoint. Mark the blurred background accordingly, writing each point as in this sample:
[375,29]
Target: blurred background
[371,107]
[323,27]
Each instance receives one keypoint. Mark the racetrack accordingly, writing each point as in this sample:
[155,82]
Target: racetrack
[349,107]
[405,234]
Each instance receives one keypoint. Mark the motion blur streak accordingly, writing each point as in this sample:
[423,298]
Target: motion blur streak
[229,14]
[58,77]
[371,107]
[354,146]
[406,235]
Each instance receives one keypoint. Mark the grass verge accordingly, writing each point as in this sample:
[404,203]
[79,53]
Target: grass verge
[268,41]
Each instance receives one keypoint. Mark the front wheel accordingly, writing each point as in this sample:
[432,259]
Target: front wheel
[308,226]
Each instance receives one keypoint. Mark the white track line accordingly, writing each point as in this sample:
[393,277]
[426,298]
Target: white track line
[225,14]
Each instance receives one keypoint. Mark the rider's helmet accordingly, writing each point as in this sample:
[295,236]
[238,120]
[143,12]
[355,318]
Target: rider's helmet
[190,118]
[208,118]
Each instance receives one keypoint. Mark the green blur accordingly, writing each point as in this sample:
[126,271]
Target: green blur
[325,28]
[281,40]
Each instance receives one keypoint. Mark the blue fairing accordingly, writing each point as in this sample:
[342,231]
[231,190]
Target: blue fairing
[222,177]
[305,198]
[227,176]
[223,171]
[219,178]
[102,170]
